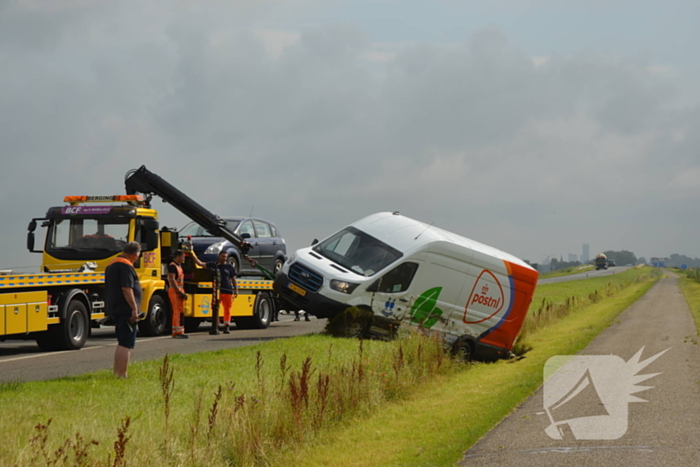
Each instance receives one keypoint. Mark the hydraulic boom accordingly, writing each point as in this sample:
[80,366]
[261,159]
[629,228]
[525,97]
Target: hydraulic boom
[144,181]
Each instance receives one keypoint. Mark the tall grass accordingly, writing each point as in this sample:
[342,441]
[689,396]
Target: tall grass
[249,406]
[254,422]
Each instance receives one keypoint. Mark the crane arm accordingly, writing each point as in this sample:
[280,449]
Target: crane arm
[144,181]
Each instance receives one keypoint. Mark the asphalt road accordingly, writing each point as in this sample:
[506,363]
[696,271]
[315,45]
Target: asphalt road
[23,361]
[665,430]
[584,275]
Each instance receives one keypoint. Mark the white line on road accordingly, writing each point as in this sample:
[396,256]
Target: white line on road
[51,354]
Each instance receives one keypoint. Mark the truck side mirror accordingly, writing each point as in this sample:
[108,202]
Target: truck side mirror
[314,241]
[30,241]
[151,224]
[32,225]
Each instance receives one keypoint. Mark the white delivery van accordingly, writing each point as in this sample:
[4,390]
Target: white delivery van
[405,271]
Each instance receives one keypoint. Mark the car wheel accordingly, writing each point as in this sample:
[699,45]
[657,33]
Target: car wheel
[233,261]
[278,265]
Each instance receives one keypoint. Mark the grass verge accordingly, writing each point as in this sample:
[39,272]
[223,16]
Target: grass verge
[283,402]
[447,416]
[567,271]
[691,291]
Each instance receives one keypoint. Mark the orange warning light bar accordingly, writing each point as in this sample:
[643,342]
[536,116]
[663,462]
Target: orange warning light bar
[103,199]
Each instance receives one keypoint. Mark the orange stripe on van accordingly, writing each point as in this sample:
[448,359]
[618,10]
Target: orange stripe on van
[523,281]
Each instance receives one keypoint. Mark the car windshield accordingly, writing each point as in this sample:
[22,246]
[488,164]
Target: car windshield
[195,230]
[357,251]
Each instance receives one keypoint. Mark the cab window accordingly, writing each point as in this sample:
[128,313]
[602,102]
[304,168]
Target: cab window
[247,227]
[395,281]
[263,229]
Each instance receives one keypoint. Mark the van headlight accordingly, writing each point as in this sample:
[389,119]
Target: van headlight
[215,249]
[291,258]
[343,286]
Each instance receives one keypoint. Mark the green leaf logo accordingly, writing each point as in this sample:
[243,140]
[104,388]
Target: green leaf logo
[424,311]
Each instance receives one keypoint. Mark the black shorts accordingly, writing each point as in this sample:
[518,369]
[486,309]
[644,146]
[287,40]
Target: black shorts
[126,331]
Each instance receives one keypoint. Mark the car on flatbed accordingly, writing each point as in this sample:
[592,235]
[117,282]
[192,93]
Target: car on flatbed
[267,245]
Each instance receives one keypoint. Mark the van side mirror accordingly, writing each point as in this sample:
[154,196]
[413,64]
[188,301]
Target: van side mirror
[375,286]
[314,241]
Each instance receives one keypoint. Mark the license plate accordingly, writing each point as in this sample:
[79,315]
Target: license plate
[297,289]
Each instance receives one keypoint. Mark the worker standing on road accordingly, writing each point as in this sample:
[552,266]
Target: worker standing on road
[123,303]
[228,288]
[176,293]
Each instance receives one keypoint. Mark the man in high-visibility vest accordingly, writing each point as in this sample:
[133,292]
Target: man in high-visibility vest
[176,293]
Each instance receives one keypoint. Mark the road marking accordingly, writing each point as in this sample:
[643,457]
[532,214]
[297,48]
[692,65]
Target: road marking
[50,354]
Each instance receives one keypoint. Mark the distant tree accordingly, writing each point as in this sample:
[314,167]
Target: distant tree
[641,260]
[621,257]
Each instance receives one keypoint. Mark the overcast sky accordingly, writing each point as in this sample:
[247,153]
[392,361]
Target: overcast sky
[532,126]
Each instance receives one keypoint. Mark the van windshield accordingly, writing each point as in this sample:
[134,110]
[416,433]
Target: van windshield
[357,251]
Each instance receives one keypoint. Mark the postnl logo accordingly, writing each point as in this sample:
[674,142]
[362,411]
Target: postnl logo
[485,300]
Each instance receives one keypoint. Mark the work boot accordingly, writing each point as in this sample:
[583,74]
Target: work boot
[226,331]
[181,336]
[306,317]
[296,318]
[214,331]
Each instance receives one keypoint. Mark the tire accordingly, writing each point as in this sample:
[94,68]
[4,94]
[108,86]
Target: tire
[47,341]
[463,349]
[156,321]
[192,324]
[72,332]
[352,322]
[233,261]
[262,313]
[278,265]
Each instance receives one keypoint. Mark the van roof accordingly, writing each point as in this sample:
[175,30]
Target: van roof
[404,233]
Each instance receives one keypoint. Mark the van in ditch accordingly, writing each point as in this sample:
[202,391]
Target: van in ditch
[404,271]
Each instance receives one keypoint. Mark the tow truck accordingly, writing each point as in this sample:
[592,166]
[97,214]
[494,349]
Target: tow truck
[58,306]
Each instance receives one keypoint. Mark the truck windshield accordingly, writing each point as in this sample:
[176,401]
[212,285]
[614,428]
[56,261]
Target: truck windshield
[104,235]
[357,251]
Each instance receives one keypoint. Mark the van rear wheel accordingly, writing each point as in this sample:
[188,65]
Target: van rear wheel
[463,349]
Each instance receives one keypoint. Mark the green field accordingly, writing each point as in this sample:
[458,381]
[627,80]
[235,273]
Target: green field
[351,403]
[567,271]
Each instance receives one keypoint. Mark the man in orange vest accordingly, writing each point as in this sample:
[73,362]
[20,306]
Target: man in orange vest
[176,293]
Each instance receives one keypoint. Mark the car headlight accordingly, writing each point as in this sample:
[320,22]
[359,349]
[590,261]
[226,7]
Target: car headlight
[343,286]
[215,249]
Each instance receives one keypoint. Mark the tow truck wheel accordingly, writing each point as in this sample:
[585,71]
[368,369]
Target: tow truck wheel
[72,332]
[156,320]
[47,341]
[262,313]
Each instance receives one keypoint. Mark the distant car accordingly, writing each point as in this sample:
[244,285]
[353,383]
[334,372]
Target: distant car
[267,245]
[611,263]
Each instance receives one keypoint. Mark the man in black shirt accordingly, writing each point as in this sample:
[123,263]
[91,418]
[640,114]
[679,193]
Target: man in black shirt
[228,288]
[123,303]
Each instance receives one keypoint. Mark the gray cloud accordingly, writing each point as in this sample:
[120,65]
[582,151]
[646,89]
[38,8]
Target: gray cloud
[475,136]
